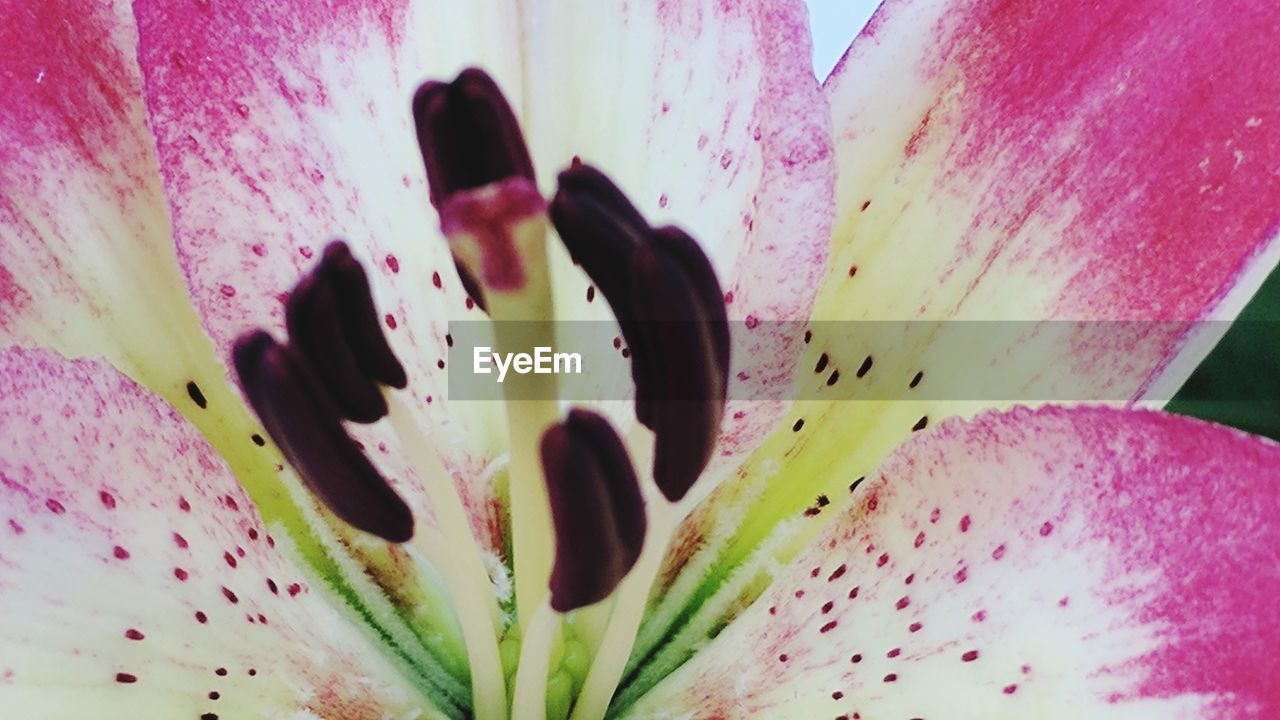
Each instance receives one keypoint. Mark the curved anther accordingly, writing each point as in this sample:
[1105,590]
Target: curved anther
[682,249]
[360,319]
[600,228]
[670,308]
[468,135]
[681,351]
[596,507]
[303,422]
[333,323]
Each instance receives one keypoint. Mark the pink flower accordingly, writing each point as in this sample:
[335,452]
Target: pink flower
[170,171]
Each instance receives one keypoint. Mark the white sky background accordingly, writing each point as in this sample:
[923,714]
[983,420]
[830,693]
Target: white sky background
[835,23]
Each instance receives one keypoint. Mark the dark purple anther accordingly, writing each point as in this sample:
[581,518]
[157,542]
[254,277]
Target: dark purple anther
[683,401]
[360,318]
[332,369]
[685,252]
[468,135]
[600,228]
[333,323]
[596,507]
[470,139]
[295,409]
[670,307]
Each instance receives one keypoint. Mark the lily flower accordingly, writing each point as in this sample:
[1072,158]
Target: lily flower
[234,482]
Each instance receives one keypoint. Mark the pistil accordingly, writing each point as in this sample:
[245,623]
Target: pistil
[482,184]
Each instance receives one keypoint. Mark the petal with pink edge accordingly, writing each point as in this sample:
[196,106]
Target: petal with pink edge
[708,115]
[87,263]
[281,127]
[1056,563]
[138,577]
[1027,160]
[86,258]
[1014,161]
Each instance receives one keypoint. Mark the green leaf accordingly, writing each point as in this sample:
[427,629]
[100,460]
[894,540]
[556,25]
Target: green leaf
[1238,384]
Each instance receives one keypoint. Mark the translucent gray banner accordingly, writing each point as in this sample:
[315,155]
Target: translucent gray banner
[982,361]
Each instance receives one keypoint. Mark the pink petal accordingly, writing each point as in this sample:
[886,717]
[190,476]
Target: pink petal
[1041,160]
[708,115]
[87,263]
[1036,564]
[137,573]
[282,127]
[1021,160]
[86,260]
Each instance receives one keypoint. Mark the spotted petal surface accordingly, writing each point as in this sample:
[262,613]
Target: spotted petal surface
[1028,161]
[87,262]
[1108,163]
[1005,163]
[1048,564]
[139,582]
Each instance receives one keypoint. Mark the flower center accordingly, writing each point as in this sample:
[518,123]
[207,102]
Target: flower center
[588,527]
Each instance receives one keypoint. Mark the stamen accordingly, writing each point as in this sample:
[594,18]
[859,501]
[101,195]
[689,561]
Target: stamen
[596,506]
[670,307]
[685,251]
[332,322]
[454,552]
[468,134]
[619,636]
[331,371]
[601,230]
[296,411]
[530,696]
